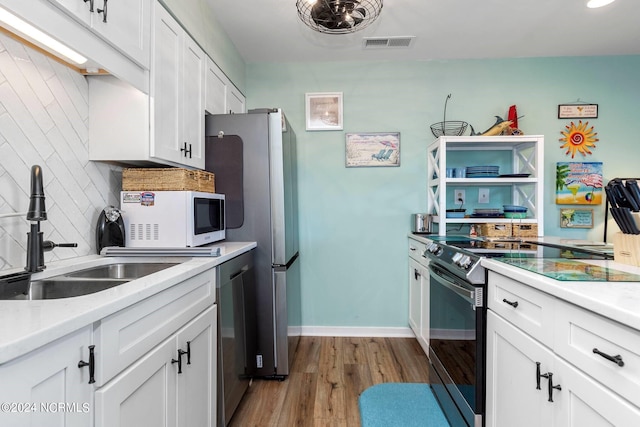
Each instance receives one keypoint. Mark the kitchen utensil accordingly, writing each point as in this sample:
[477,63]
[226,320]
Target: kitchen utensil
[109,229]
[421,223]
[622,196]
[461,172]
[450,172]
[455,213]
[633,189]
[515,215]
[514,208]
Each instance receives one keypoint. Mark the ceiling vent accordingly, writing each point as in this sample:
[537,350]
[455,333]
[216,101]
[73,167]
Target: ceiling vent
[387,42]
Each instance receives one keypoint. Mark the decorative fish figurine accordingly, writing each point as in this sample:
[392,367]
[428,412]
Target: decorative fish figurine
[496,129]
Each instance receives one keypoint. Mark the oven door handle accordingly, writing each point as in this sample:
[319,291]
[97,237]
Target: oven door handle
[444,279]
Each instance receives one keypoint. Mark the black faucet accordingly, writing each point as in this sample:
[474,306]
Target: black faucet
[36,213]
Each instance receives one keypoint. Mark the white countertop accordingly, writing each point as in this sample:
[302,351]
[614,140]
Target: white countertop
[27,325]
[619,301]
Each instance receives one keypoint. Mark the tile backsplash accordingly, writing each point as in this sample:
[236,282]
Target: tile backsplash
[44,119]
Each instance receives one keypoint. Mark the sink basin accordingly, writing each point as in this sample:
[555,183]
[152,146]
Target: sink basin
[125,271]
[62,287]
[82,282]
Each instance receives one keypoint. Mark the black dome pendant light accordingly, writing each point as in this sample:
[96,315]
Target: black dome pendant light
[338,16]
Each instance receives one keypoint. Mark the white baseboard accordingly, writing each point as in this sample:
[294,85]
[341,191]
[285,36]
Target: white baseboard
[353,331]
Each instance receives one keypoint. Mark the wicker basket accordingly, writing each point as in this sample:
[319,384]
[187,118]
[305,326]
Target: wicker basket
[167,179]
[494,230]
[524,230]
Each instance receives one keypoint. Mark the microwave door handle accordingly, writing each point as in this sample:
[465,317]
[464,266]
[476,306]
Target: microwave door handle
[467,294]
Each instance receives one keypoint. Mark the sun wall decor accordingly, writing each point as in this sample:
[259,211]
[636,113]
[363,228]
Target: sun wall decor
[578,138]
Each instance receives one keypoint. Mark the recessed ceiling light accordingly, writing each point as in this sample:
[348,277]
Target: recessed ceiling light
[598,3]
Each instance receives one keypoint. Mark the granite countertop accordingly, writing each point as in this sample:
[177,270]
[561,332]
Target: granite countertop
[27,325]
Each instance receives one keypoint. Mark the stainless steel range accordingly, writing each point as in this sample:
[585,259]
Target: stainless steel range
[457,310]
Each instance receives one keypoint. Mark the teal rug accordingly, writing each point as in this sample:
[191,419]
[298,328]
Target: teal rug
[401,405]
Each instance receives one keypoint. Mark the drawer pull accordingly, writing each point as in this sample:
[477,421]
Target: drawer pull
[617,359]
[416,274]
[91,364]
[179,360]
[513,304]
[90,5]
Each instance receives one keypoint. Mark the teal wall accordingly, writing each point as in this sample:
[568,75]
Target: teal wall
[354,221]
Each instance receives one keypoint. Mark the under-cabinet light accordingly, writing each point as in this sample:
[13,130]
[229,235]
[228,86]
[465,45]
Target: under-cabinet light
[30,32]
[598,3]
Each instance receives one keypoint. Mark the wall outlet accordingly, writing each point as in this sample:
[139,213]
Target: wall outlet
[459,197]
[483,195]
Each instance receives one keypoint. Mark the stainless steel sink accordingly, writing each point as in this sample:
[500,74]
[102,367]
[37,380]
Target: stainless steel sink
[63,287]
[82,282]
[125,271]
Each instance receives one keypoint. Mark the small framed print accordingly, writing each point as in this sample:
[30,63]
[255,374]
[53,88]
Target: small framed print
[372,149]
[576,218]
[578,111]
[324,110]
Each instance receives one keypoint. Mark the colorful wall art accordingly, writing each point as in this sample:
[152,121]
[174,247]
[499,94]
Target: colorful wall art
[579,183]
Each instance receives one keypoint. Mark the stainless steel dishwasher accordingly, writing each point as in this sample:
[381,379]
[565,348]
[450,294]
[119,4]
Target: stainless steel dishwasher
[236,332]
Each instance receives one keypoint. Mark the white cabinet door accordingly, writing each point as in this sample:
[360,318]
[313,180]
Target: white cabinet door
[45,378]
[142,395]
[513,398]
[215,89]
[235,101]
[415,296]
[126,25]
[581,401]
[166,87]
[197,383]
[192,102]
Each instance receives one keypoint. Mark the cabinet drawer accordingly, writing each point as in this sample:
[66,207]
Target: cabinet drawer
[578,332]
[416,249]
[124,337]
[527,308]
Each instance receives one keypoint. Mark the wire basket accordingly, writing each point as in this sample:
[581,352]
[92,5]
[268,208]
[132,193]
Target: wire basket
[449,128]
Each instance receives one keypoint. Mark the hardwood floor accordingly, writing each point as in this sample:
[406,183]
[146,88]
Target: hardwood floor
[326,379]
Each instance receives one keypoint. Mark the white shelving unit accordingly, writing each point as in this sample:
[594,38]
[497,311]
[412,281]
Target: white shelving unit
[527,155]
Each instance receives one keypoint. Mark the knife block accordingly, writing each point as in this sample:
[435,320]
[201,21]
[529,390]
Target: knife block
[626,248]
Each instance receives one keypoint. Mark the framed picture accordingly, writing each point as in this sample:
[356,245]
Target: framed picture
[579,183]
[577,111]
[576,218]
[372,149]
[324,111]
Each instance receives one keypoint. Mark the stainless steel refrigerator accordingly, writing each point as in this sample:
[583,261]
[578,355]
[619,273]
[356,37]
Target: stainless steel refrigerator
[253,157]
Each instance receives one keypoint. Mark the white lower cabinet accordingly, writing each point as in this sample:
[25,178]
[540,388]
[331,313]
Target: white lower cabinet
[529,383]
[47,387]
[173,385]
[419,293]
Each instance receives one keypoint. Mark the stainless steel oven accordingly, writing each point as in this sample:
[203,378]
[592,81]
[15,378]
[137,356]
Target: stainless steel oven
[457,316]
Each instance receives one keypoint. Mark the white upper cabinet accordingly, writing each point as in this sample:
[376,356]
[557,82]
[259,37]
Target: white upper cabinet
[177,93]
[125,24]
[222,97]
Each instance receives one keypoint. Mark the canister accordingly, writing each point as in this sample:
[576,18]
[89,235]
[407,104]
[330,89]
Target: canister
[421,223]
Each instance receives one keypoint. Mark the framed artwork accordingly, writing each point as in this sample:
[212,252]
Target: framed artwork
[372,149]
[578,111]
[324,111]
[579,183]
[576,218]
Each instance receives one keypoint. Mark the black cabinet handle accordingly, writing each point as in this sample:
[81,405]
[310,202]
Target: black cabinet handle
[104,11]
[539,375]
[416,274]
[185,150]
[91,364]
[90,5]
[617,359]
[513,304]
[179,360]
[188,352]
[552,387]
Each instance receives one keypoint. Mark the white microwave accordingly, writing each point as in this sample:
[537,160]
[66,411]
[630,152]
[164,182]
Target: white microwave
[172,219]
